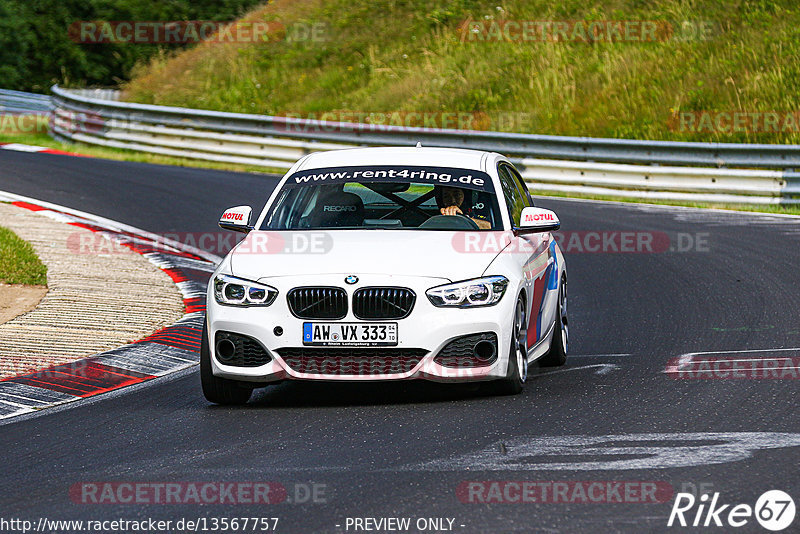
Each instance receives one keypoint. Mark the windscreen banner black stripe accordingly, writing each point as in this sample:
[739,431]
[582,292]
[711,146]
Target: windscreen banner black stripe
[463,178]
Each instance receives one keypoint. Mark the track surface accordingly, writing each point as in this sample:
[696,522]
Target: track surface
[367,443]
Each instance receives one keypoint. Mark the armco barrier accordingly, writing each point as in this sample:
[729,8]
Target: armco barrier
[17,102]
[619,167]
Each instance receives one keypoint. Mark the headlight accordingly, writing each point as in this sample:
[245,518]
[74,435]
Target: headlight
[237,292]
[469,293]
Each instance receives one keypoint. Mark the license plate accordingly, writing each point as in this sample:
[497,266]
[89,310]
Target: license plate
[351,334]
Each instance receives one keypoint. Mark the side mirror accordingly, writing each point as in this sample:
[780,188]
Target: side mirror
[533,220]
[236,219]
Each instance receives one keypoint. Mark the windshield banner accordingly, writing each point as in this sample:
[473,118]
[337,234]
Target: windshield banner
[463,178]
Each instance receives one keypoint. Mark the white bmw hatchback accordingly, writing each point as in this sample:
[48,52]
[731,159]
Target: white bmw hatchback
[387,264]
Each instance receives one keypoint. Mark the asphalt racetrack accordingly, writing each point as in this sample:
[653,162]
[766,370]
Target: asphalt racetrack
[620,411]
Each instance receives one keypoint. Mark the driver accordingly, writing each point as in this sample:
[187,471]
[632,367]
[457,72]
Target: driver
[453,198]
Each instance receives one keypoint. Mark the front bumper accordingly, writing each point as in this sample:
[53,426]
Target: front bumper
[425,331]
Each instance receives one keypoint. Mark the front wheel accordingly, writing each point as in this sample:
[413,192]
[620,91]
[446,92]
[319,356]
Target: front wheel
[517,372]
[557,355]
[215,389]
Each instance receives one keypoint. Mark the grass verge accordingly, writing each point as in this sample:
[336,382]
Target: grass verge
[18,262]
[394,60]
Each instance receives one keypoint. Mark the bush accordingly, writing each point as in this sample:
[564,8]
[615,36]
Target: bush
[36,50]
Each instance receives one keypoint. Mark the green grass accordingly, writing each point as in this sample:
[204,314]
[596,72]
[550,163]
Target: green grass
[18,262]
[386,56]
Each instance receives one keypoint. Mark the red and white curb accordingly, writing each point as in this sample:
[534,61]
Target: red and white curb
[18,147]
[166,351]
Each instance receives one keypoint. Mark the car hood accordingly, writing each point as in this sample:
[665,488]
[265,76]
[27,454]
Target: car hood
[398,252]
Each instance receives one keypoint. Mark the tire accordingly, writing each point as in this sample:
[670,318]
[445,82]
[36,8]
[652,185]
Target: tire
[215,389]
[517,372]
[557,355]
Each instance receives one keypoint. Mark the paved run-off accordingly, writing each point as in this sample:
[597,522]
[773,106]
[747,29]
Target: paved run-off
[95,301]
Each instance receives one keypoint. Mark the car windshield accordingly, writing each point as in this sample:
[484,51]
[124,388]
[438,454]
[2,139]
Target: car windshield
[386,197]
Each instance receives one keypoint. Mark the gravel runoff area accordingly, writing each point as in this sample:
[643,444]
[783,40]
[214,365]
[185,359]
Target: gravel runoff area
[94,302]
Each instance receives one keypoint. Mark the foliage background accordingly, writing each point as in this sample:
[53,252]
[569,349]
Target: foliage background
[36,52]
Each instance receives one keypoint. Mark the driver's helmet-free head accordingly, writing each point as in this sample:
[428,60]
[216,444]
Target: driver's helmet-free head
[449,196]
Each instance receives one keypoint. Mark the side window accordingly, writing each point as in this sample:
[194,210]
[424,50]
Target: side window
[521,185]
[514,197]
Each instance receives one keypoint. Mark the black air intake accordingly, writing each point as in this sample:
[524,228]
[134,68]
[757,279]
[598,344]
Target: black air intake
[474,350]
[239,351]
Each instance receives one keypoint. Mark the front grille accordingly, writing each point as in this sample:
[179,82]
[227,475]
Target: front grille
[364,361]
[460,352]
[318,302]
[383,302]
[248,353]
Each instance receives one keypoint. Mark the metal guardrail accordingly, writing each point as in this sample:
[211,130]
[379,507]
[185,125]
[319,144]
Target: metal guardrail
[19,103]
[629,168]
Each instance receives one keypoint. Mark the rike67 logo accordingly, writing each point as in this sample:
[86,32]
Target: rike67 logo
[774,510]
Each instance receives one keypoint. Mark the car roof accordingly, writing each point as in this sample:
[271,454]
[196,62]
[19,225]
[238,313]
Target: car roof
[417,156]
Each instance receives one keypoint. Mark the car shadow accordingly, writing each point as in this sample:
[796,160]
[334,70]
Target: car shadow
[297,394]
